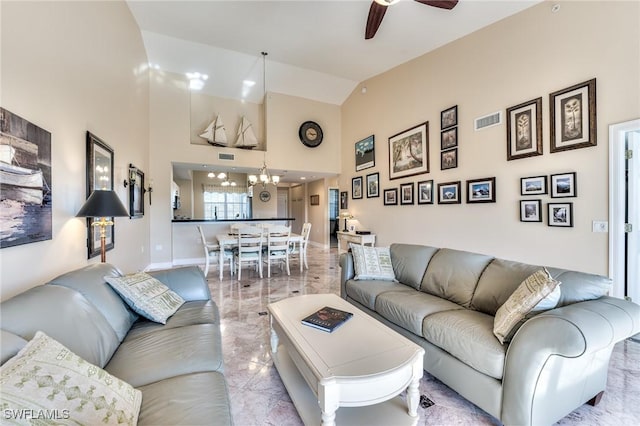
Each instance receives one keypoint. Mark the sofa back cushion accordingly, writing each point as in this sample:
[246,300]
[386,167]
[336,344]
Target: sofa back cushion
[410,262]
[498,282]
[91,283]
[454,274]
[65,315]
[579,286]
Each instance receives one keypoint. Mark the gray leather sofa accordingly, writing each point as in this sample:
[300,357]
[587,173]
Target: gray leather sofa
[446,300]
[177,366]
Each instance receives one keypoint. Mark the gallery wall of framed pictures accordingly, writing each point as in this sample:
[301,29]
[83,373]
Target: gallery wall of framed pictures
[572,126]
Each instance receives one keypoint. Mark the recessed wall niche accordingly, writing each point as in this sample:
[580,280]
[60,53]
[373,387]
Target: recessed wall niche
[206,108]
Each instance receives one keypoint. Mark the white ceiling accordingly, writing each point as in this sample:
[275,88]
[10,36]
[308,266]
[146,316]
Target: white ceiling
[316,48]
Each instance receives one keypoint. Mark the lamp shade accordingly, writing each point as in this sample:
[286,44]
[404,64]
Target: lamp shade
[103,204]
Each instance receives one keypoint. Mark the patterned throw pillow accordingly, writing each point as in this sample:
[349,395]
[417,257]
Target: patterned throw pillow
[147,296]
[372,263]
[46,383]
[534,294]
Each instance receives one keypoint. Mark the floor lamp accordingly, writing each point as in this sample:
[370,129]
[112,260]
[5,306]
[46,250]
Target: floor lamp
[103,204]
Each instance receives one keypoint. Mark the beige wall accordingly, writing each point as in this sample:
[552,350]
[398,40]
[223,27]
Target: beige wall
[518,59]
[170,130]
[70,67]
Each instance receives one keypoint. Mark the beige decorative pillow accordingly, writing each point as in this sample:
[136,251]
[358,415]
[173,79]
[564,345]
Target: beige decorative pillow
[147,296]
[46,383]
[372,263]
[531,292]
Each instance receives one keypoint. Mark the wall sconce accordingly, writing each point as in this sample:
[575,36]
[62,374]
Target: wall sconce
[133,176]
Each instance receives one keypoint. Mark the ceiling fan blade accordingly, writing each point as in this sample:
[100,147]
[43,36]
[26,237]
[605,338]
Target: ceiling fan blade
[442,4]
[376,13]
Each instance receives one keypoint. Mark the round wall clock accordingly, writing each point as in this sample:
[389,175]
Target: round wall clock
[310,134]
[265,196]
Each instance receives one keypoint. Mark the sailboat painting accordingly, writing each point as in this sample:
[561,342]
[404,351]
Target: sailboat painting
[215,133]
[25,181]
[245,138]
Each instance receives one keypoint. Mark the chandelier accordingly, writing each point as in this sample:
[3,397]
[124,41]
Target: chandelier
[264,177]
[223,176]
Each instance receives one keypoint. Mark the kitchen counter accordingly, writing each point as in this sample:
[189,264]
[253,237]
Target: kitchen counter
[264,219]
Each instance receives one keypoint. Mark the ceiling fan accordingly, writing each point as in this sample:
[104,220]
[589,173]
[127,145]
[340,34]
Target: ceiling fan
[379,7]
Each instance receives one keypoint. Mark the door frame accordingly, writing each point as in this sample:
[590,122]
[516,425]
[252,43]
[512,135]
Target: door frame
[617,139]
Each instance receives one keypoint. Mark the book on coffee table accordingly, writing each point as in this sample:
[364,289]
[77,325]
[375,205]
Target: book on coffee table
[327,318]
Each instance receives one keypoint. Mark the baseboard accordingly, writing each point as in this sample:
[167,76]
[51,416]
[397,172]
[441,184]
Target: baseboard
[156,266]
[189,261]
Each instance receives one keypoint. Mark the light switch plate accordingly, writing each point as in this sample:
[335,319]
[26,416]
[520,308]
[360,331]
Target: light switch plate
[600,226]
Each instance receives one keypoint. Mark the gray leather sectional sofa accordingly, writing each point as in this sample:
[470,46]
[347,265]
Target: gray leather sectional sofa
[177,366]
[445,301]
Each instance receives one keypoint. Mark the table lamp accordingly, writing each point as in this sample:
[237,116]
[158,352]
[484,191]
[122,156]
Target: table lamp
[346,216]
[103,204]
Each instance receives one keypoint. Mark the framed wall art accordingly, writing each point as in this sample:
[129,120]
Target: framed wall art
[425,192]
[560,214]
[449,159]
[563,185]
[365,153]
[409,152]
[406,193]
[449,117]
[373,185]
[481,190]
[533,185]
[391,197]
[26,188]
[136,192]
[449,138]
[524,130]
[356,188]
[314,200]
[99,177]
[449,193]
[573,117]
[530,211]
[344,200]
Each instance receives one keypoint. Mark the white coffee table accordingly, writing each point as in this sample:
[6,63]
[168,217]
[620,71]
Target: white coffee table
[362,364]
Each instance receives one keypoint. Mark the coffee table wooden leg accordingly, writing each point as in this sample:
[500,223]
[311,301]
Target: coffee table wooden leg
[328,397]
[413,394]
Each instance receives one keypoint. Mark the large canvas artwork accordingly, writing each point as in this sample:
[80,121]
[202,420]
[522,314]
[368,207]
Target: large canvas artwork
[25,181]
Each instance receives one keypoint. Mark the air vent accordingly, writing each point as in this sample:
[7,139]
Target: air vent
[490,120]
[226,156]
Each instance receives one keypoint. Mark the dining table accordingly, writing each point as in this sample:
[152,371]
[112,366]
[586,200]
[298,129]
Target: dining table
[229,240]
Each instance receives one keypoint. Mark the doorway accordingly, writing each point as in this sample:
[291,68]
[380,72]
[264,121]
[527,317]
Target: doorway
[333,217]
[624,209]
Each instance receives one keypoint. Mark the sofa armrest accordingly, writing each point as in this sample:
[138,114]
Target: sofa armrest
[569,333]
[347,272]
[189,282]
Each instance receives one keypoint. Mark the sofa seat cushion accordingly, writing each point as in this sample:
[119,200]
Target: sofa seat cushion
[191,313]
[10,345]
[408,309]
[365,292]
[192,399]
[91,283]
[468,336]
[156,356]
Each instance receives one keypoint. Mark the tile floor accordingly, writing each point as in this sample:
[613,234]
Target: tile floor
[259,398]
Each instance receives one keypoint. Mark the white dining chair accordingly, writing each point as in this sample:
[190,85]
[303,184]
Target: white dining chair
[212,251]
[249,249]
[277,248]
[299,249]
